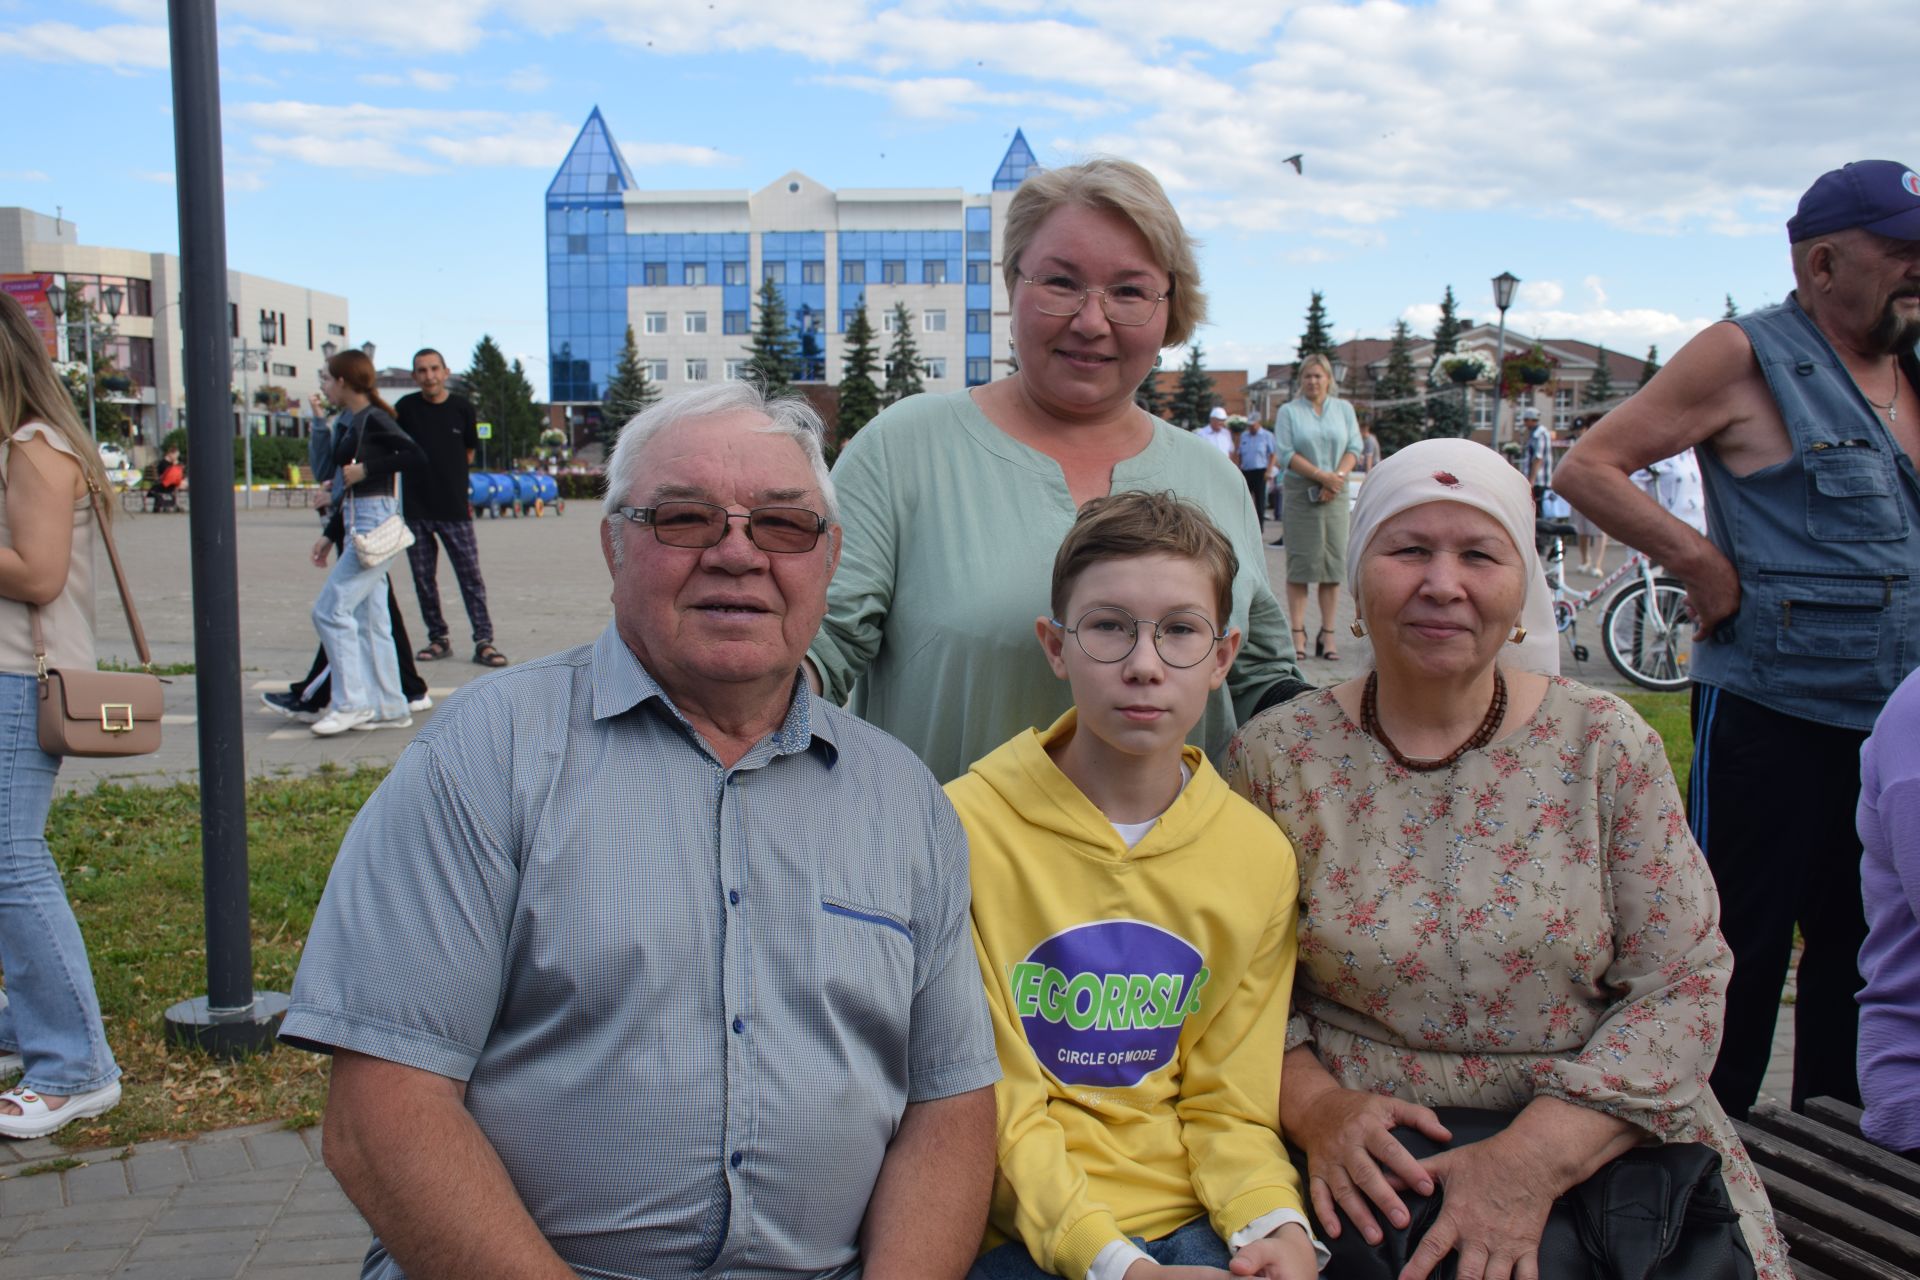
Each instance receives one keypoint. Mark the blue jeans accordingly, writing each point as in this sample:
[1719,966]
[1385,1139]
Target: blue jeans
[1193,1245]
[351,616]
[51,1016]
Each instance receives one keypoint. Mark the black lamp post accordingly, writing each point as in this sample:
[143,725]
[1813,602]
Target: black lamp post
[111,297]
[1503,286]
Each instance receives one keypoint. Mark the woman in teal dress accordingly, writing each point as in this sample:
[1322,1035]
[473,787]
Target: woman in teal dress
[1317,442]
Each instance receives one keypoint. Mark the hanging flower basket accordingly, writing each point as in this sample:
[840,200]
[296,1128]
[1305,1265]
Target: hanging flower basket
[1533,368]
[1535,377]
[1462,367]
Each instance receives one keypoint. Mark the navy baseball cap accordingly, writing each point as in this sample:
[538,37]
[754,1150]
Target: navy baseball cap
[1882,196]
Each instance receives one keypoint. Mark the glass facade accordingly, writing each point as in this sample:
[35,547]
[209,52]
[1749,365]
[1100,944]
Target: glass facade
[980,283]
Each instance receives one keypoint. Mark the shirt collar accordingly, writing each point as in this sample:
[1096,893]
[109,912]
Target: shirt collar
[621,683]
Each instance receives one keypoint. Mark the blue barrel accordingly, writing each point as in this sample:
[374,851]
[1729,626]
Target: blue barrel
[546,488]
[502,491]
[479,490]
[524,490]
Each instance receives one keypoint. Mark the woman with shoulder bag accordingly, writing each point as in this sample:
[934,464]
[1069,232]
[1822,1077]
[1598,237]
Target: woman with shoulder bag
[50,1016]
[351,612]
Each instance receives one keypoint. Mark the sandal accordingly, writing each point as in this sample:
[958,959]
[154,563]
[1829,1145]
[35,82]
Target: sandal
[1322,650]
[37,1119]
[488,656]
[435,650]
[1300,645]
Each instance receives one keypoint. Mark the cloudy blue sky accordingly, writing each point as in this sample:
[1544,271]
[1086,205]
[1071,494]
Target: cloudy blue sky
[1631,161]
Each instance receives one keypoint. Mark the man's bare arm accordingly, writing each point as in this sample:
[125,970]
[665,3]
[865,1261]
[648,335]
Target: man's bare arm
[1689,402]
[929,1206]
[408,1154]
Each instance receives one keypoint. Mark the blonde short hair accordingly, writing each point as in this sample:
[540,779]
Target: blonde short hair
[1333,383]
[1136,523]
[1117,186]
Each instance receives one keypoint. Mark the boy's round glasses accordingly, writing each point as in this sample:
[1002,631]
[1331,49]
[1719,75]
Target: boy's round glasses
[1183,638]
[1122,303]
[785,530]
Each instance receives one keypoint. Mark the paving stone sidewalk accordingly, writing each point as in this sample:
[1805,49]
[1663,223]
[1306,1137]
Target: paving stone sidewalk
[253,1202]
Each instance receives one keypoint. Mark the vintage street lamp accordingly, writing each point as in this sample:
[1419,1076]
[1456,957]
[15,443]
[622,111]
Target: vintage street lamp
[1503,286]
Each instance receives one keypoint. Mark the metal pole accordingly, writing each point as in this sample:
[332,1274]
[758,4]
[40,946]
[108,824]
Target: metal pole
[1499,370]
[93,392]
[246,415]
[232,1018]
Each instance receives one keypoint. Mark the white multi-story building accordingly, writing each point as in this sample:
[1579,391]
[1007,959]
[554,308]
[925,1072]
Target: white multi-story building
[684,268]
[145,339]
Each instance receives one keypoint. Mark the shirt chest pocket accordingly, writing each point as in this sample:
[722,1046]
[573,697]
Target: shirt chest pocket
[1852,493]
[863,964]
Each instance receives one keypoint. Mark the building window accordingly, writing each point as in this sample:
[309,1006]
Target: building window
[933,271]
[736,370]
[655,273]
[978,371]
[809,321]
[733,322]
[936,367]
[696,370]
[309,333]
[140,301]
[979,273]
[656,370]
[933,321]
[846,319]
[979,322]
[654,322]
[696,322]
[886,320]
[734,272]
[233,320]
[813,273]
[285,371]
[577,242]
[337,330]
[893,272]
[1563,402]
[979,242]
[1482,411]
[696,273]
[773,272]
[853,271]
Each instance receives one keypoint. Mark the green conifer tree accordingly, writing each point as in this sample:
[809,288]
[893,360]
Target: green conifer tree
[628,391]
[1731,310]
[1399,425]
[1319,333]
[1193,398]
[1599,387]
[859,394]
[1651,367]
[903,358]
[1446,334]
[1148,395]
[772,354]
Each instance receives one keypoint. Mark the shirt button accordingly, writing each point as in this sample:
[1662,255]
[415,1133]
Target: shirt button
[733,896]
[739,1025]
[735,1161]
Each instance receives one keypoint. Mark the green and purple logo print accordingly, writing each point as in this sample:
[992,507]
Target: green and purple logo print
[1103,1003]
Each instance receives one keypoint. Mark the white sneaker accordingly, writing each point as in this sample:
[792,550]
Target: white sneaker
[337,721]
[396,722]
[37,1120]
[422,703]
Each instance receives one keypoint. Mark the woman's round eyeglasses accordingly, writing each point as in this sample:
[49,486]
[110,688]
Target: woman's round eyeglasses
[1183,638]
[1059,295]
[784,530]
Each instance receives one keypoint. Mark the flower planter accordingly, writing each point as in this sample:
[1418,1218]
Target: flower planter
[1463,373]
[1535,377]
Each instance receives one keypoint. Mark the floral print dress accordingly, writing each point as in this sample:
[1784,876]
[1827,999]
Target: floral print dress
[1535,918]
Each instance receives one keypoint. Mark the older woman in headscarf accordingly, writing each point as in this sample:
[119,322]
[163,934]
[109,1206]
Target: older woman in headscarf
[953,504]
[1317,443]
[1501,904]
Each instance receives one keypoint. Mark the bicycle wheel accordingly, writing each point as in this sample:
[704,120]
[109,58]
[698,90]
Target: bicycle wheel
[1650,640]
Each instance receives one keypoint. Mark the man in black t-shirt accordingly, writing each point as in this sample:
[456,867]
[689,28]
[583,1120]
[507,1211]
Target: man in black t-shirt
[435,500]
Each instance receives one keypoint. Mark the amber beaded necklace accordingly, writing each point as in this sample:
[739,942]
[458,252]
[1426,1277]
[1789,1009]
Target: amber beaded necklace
[1370,722]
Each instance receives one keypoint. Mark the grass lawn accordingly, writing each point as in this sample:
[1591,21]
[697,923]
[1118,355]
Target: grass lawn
[131,858]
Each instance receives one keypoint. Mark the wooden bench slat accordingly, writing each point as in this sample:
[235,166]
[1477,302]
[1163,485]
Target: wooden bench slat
[1802,1271]
[1833,1177]
[1856,1228]
[1836,1258]
[1836,1114]
[1842,1147]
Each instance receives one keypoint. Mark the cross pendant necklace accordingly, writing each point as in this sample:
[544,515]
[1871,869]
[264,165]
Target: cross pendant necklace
[1890,408]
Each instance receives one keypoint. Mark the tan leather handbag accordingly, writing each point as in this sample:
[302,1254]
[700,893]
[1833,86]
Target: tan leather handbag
[99,713]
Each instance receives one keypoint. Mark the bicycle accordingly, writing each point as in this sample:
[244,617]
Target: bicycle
[1646,631]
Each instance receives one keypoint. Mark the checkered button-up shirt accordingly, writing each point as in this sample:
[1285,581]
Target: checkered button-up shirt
[690,1002]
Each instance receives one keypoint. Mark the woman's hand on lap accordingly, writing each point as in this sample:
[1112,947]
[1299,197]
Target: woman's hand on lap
[1148,1269]
[1287,1254]
[1498,1195]
[1348,1141]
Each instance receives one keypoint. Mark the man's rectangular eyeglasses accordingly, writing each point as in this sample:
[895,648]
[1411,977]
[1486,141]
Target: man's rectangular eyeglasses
[783,530]
[1123,303]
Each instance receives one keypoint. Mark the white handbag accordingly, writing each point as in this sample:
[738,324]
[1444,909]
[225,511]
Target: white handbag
[385,540]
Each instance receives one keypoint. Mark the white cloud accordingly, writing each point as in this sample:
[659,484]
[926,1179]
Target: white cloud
[159,177]
[121,48]
[431,81]
[270,41]
[1542,294]
[528,79]
[417,26]
[23,175]
[424,140]
[1595,286]
[956,97]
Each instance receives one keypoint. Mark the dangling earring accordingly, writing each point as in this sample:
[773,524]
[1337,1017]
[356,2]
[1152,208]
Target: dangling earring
[1157,360]
[1359,629]
[1519,636]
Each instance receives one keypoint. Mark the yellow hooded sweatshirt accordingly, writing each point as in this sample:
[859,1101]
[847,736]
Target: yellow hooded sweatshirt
[1139,1002]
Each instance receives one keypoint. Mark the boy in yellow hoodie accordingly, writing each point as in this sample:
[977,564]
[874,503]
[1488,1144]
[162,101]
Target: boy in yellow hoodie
[1134,921]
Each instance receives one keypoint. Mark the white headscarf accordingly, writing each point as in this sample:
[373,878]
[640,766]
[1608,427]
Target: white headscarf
[1465,472]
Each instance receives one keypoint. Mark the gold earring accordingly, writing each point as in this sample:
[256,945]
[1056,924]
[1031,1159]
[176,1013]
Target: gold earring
[1519,636]
[1359,629]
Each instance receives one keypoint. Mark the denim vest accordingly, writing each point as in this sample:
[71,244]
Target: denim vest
[1826,543]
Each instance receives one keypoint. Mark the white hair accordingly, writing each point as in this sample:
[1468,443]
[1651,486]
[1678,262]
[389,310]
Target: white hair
[791,417]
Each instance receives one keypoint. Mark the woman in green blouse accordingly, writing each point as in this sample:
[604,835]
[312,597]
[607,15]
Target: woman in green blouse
[1317,443]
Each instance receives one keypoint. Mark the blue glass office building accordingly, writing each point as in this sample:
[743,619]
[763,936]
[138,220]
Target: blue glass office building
[683,269]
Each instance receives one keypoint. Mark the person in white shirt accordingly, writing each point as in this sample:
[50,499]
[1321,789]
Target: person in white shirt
[1217,433]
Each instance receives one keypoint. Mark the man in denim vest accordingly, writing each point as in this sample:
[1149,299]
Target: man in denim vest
[1806,421]
[644,961]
